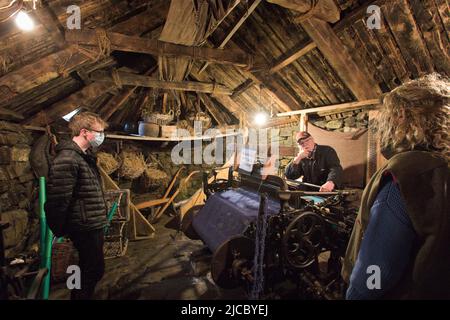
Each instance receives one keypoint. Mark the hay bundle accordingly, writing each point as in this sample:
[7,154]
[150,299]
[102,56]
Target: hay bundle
[107,162]
[132,164]
[154,178]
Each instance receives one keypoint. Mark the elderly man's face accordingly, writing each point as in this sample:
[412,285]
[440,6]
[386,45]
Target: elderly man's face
[307,144]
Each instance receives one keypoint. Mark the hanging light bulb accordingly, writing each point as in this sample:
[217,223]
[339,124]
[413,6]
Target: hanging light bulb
[260,119]
[24,22]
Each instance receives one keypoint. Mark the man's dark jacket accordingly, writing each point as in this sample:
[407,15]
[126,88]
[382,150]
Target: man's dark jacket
[75,200]
[323,166]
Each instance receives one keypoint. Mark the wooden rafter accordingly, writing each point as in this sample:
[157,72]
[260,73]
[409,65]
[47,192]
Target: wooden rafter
[67,60]
[306,47]
[235,28]
[362,85]
[230,9]
[130,79]
[126,43]
[74,101]
[335,107]
[119,100]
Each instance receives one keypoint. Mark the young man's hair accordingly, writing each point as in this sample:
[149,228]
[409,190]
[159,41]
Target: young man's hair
[423,105]
[85,120]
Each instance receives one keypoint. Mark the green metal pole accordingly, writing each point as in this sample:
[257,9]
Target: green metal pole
[42,219]
[111,213]
[48,264]
[46,239]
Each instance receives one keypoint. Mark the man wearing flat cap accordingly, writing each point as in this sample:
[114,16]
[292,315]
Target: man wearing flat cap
[318,164]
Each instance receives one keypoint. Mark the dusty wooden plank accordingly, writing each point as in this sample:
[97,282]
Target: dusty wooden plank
[130,79]
[119,100]
[219,115]
[362,85]
[9,114]
[428,20]
[284,99]
[222,16]
[235,28]
[443,7]
[405,30]
[291,56]
[242,87]
[304,48]
[50,21]
[336,107]
[43,70]
[375,55]
[66,60]
[63,107]
[126,43]
[392,53]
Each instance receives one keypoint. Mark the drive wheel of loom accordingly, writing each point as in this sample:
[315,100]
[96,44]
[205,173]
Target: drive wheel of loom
[303,239]
[186,223]
[237,251]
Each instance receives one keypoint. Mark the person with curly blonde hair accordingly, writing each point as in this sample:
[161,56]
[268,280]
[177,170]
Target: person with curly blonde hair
[400,244]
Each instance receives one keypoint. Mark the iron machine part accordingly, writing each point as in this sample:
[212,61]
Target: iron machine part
[303,240]
[231,265]
[186,222]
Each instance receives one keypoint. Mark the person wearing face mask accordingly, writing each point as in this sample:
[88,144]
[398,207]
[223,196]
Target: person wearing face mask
[318,164]
[401,237]
[75,204]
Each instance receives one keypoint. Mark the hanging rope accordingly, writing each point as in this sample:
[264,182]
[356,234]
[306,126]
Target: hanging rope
[116,78]
[104,44]
[61,65]
[260,244]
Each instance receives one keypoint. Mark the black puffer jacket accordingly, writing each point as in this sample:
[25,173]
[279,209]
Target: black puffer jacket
[75,200]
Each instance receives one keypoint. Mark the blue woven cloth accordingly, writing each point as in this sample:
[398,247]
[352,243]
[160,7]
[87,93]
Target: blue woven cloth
[228,214]
[387,244]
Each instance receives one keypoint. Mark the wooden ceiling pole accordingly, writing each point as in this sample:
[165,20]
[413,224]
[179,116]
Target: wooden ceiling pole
[362,85]
[235,28]
[50,21]
[126,43]
[119,100]
[125,78]
[50,67]
[72,102]
[304,48]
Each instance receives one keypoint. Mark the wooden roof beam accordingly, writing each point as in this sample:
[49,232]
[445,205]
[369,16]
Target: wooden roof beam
[49,67]
[230,9]
[126,43]
[362,85]
[80,98]
[125,78]
[235,28]
[119,100]
[335,107]
[306,47]
[247,84]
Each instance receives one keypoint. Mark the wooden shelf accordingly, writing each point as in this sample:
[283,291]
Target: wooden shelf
[176,139]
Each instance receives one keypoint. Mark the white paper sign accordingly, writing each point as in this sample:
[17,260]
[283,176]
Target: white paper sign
[248,159]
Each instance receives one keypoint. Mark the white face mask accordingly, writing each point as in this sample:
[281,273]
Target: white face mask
[98,140]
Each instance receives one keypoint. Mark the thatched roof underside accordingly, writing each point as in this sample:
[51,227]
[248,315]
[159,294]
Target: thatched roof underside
[291,71]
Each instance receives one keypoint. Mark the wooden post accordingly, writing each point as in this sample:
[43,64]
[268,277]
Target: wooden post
[303,125]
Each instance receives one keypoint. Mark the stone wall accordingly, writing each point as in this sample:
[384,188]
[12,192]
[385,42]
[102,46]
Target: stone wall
[17,188]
